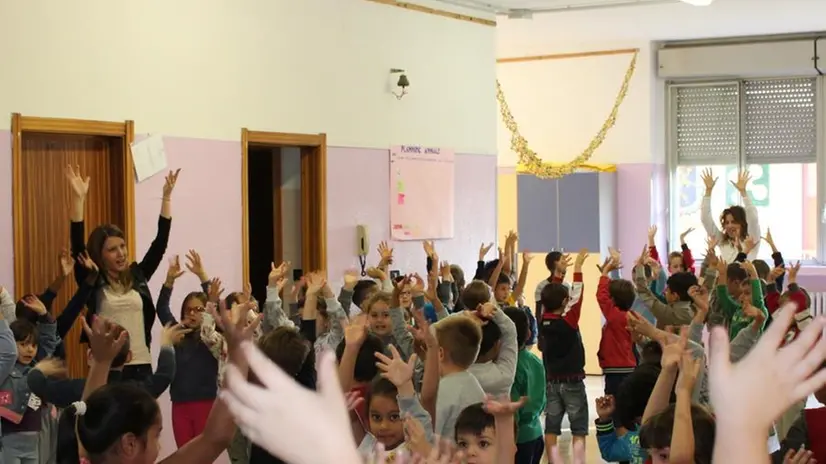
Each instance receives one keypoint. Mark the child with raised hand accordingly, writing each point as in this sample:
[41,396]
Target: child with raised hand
[322,306]
[738,391]
[683,432]
[484,431]
[749,292]
[458,340]
[391,400]
[357,366]
[678,261]
[676,310]
[563,355]
[120,423]
[616,353]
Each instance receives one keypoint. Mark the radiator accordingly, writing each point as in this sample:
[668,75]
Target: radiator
[818,307]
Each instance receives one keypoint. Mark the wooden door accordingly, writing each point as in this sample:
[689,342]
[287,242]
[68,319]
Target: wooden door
[314,207]
[45,214]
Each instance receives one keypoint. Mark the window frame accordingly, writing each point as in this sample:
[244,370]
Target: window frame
[672,159]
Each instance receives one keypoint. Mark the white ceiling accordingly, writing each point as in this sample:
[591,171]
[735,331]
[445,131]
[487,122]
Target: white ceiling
[546,6]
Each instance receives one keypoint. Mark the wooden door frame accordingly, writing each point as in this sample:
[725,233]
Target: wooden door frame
[313,193]
[21,124]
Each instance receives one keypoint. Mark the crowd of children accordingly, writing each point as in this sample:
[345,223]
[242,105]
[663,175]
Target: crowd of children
[419,369]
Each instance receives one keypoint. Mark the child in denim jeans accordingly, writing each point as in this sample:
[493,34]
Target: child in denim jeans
[19,408]
[564,357]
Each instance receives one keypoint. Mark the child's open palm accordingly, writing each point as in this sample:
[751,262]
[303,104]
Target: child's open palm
[786,375]
[285,418]
[355,330]
[395,369]
[503,406]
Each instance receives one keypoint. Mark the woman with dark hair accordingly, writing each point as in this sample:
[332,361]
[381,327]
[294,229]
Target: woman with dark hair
[739,224]
[121,293]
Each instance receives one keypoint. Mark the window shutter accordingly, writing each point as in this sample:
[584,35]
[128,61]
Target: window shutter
[780,121]
[707,123]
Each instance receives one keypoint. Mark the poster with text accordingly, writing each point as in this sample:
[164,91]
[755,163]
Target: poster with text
[421,193]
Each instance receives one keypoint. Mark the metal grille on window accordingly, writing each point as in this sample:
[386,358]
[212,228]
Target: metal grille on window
[780,120]
[707,129]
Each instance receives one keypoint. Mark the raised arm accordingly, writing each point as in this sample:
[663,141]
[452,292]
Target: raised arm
[709,224]
[77,233]
[152,259]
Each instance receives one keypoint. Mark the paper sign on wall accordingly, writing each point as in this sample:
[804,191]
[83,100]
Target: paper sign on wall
[148,157]
[421,189]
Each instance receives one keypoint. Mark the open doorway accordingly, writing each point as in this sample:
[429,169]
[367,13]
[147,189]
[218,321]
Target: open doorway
[284,203]
[41,149]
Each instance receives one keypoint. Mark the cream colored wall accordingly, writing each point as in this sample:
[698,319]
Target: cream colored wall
[590,323]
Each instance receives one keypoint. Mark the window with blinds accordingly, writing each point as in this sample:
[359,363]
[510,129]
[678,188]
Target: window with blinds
[763,121]
[706,123]
[779,121]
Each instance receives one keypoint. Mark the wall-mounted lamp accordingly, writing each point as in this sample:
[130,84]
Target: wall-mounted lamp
[403,83]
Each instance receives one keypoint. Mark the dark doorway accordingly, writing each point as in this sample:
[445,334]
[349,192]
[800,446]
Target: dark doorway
[261,213]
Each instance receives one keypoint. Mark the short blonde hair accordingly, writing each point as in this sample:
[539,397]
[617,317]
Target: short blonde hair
[460,336]
[378,297]
[476,293]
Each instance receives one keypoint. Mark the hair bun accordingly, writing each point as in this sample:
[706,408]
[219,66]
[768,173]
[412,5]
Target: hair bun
[80,407]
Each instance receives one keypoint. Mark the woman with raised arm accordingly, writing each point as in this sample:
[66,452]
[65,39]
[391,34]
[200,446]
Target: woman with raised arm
[121,292]
[738,223]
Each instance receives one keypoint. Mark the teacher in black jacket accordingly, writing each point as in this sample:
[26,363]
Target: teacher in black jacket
[121,293]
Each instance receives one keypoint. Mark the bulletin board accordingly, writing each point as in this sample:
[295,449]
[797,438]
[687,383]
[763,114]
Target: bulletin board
[421,193]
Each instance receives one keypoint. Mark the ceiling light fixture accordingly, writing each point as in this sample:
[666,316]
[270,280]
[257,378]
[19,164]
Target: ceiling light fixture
[698,2]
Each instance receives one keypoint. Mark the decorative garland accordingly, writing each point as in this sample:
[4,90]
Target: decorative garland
[530,162]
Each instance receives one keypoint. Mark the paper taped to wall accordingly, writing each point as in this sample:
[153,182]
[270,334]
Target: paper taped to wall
[421,188]
[148,157]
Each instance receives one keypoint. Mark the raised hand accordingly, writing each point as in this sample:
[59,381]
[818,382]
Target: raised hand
[286,419]
[743,178]
[355,330]
[385,255]
[749,243]
[174,271]
[315,282]
[689,371]
[195,265]
[169,183]
[351,278]
[376,273]
[580,259]
[421,330]
[87,263]
[79,185]
[652,234]
[709,180]
[793,272]
[33,303]
[685,234]
[502,406]
[699,295]
[770,240]
[776,272]
[67,264]
[395,369]
[106,339]
[429,249]
[483,250]
[215,291]
[52,367]
[786,375]
[277,277]
[673,351]
[415,436]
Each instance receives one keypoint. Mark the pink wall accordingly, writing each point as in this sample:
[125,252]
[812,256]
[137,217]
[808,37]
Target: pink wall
[358,189]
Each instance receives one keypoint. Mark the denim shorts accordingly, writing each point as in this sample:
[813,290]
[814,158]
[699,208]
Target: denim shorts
[567,398]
